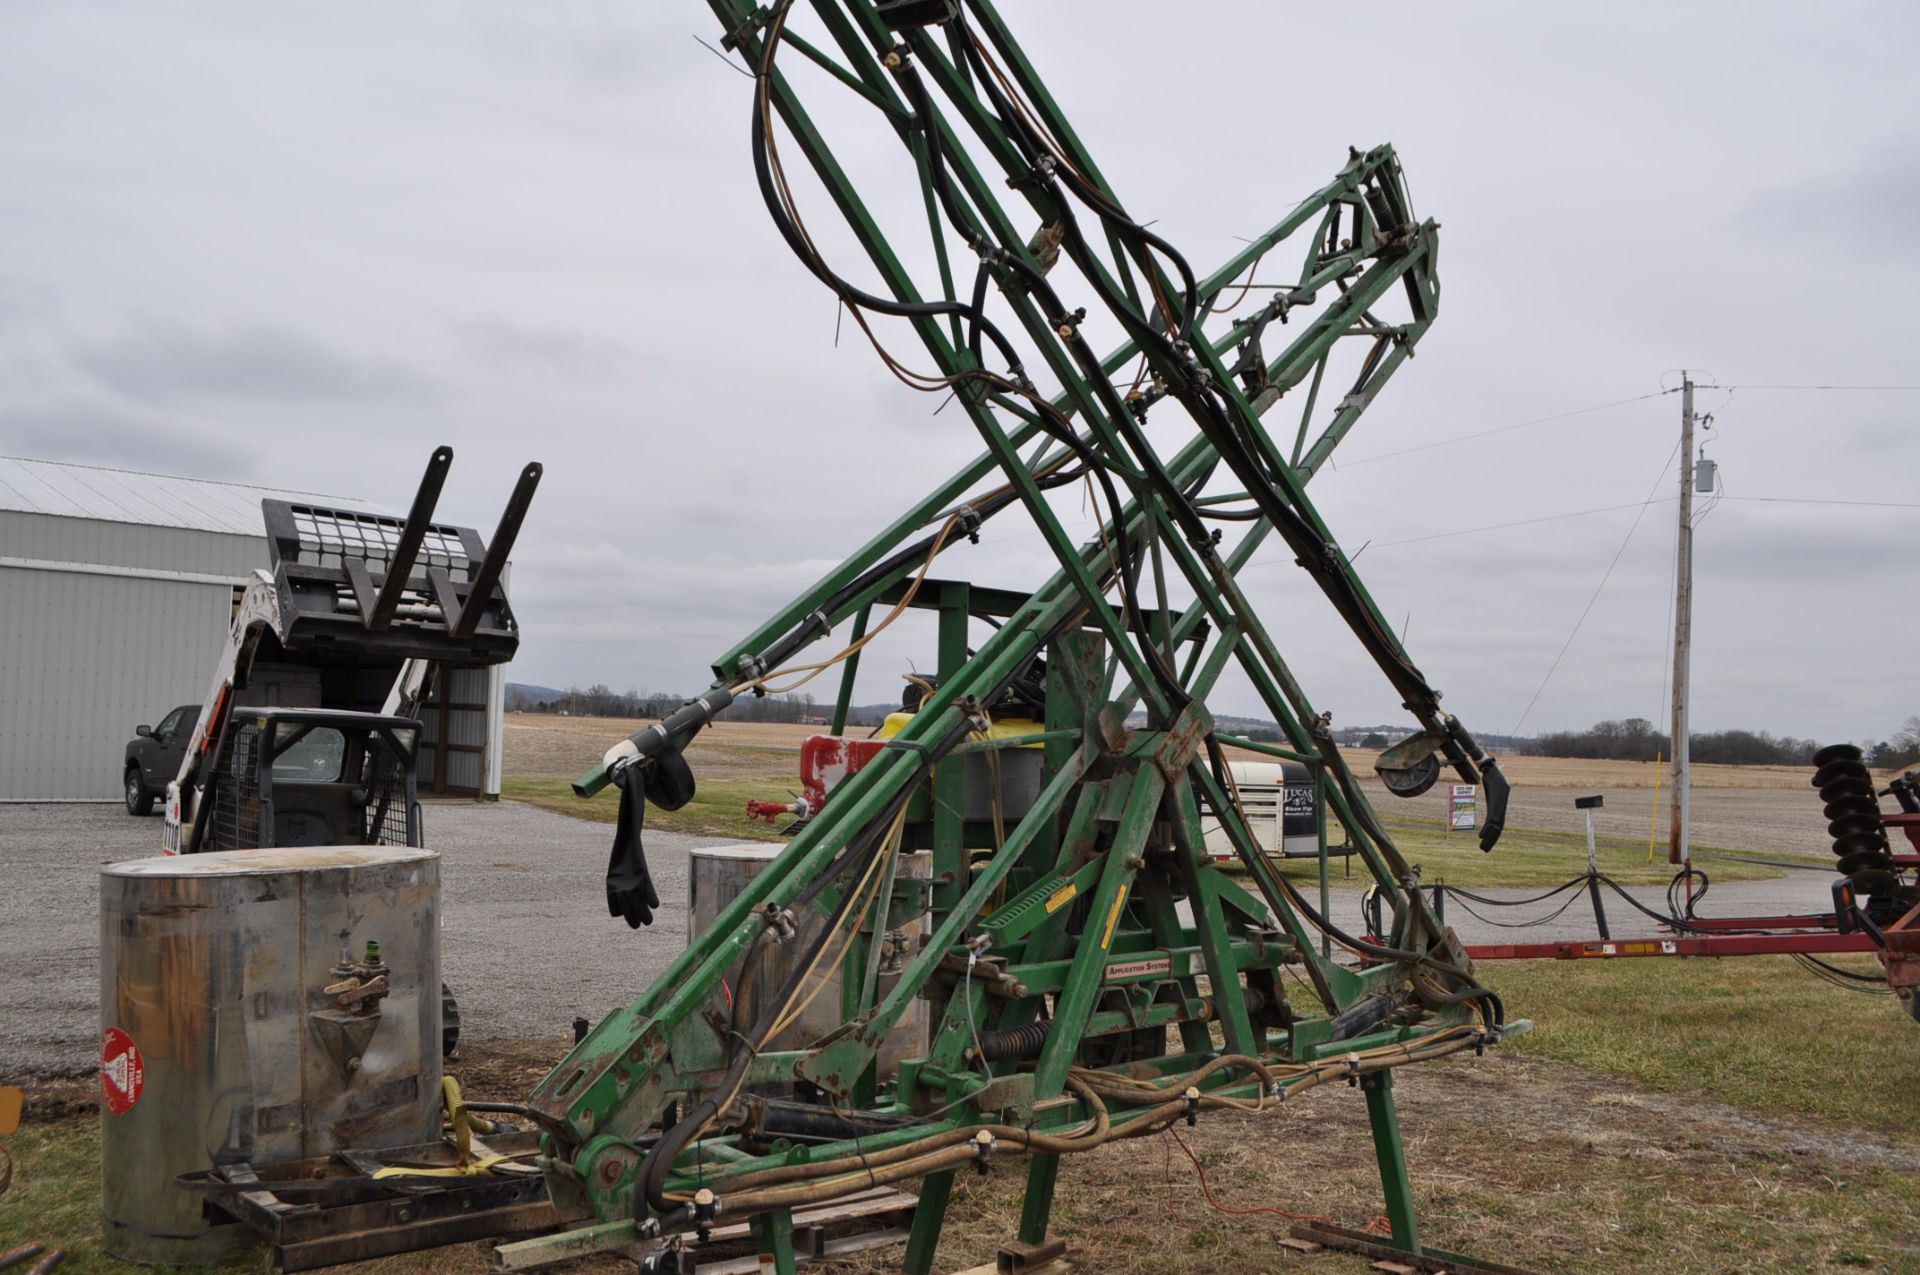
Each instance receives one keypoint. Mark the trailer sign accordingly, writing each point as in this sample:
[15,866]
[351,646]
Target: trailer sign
[1462,813]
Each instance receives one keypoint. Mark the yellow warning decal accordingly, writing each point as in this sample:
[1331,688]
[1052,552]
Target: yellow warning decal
[1113,918]
[1061,897]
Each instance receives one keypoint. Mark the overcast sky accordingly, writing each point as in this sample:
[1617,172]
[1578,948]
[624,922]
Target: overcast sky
[303,244]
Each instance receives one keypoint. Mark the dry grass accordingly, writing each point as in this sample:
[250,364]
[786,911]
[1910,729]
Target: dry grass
[736,761]
[1514,1157]
[1707,1127]
[543,744]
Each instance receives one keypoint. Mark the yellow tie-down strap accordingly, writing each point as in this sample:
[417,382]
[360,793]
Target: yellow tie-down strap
[465,1123]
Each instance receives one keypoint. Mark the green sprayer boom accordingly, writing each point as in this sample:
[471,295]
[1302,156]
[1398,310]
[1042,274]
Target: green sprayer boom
[1084,971]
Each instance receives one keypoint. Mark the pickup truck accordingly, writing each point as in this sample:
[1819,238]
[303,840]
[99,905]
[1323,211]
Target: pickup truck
[154,755]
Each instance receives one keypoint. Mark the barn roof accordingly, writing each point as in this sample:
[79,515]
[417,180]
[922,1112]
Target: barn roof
[65,490]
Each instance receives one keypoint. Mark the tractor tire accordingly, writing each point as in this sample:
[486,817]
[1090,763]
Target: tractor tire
[449,1022]
[139,798]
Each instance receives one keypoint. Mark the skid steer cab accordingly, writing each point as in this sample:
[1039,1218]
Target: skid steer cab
[308,733]
[313,777]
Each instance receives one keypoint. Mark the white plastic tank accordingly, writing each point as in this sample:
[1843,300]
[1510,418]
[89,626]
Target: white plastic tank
[715,877]
[242,1022]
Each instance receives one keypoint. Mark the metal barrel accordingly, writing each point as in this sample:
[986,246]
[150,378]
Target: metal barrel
[220,1043]
[715,877]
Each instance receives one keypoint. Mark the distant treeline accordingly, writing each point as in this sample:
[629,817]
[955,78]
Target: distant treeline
[1635,739]
[603,701]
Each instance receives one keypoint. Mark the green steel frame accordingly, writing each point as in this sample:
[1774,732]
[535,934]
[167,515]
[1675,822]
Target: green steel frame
[1098,920]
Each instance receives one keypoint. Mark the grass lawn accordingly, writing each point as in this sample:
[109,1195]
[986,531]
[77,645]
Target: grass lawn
[1523,859]
[1681,1116]
[718,808]
[1757,1032]
[1526,858]
[1678,1116]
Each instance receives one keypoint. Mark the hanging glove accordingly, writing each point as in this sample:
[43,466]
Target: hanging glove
[630,891]
[668,783]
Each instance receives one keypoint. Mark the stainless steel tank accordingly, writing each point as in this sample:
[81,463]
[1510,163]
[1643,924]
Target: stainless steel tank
[242,1022]
[715,877]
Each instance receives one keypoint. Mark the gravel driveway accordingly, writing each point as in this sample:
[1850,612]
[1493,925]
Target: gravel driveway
[528,942]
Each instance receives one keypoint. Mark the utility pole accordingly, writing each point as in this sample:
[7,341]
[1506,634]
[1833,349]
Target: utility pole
[1677,850]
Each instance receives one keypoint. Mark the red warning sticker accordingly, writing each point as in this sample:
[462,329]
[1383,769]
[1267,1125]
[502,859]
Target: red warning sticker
[123,1074]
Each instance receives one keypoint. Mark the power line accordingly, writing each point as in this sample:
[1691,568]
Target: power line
[1523,522]
[1608,575]
[1808,500]
[1806,387]
[1502,429]
[1633,504]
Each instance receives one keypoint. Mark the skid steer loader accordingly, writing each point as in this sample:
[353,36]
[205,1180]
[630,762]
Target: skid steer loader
[309,734]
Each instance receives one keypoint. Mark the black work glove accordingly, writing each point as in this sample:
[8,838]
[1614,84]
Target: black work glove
[668,783]
[630,891]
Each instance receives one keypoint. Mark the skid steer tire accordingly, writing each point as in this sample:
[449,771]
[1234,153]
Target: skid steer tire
[449,1022]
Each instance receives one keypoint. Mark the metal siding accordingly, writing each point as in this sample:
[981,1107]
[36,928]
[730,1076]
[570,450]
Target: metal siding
[120,544]
[91,492]
[467,728]
[496,728]
[86,658]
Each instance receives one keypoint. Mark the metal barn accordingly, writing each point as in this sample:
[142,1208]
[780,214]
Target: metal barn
[116,589]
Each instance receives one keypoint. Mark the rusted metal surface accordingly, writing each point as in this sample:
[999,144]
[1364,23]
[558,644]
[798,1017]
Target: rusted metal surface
[1017,1257]
[325,1210]
[221,1044]
[877,1219]
[715,877]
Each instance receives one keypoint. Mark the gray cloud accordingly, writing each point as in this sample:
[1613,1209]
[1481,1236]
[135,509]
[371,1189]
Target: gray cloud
[580,176]
[600,46]
[99,431]
[25,301]
[569,352]
[164,359]
[1861,211]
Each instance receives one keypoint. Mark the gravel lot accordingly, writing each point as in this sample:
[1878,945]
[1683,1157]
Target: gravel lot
[528,943]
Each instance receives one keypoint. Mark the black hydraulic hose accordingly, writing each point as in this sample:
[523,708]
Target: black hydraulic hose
[843,288]
[1204,405]
[917,95]
[1336,583]
[1473,990]
[1528,924]
[1294,528]
[782,1118]
[872,840]
[1036,283]
[1572,883]
[981,325]
[1677,922]
[1094,198]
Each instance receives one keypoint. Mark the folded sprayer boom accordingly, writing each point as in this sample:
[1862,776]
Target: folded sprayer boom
[1088,973]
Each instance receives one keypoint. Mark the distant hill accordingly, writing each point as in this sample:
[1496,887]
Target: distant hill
[526,693]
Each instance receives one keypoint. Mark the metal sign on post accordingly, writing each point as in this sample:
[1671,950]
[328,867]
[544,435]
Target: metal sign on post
[1463,811]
